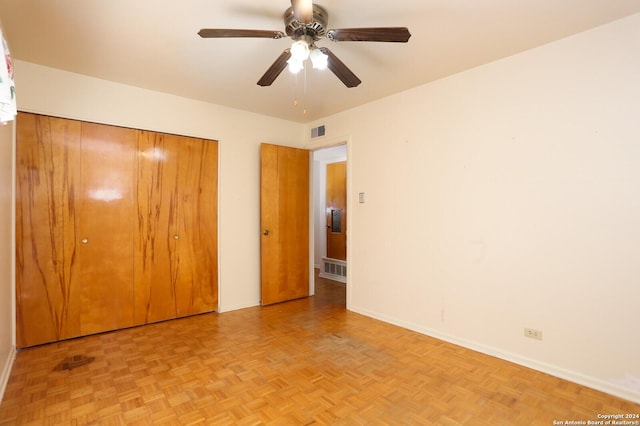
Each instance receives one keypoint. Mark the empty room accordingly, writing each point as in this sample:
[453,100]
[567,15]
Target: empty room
[171,251]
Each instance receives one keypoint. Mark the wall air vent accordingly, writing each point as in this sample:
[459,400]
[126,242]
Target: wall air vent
[317,132]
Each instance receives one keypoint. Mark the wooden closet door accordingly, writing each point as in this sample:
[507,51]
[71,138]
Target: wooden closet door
[196,250]
[176,259]
[115,227]
[47,183]
[156,204]
[106,216]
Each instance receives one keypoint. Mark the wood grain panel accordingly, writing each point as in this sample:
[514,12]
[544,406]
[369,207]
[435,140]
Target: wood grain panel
[47,176]
[100,208]
[337,200]
[176,242]
[196,250]
[106,221]
[270,226]
[285,214]
[156,204]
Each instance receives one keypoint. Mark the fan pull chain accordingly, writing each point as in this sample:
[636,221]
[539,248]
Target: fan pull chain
[295,91]
[304,93]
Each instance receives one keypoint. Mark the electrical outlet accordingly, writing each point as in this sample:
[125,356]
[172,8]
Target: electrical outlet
[533,334]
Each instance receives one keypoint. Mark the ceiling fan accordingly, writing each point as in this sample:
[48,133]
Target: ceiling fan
[306,23]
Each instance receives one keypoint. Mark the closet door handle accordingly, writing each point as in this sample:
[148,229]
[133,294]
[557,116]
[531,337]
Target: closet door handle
[176,237]
[85,240]
[265,232]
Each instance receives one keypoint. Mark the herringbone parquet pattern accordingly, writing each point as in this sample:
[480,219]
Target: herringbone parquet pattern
[298,363]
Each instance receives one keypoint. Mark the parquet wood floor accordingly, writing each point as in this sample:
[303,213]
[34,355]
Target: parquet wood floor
[303,362]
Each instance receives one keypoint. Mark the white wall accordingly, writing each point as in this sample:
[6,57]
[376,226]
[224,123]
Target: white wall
[55,92]
[505,197]
[7,350]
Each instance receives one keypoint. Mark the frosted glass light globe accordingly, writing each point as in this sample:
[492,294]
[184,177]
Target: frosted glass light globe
[300,50]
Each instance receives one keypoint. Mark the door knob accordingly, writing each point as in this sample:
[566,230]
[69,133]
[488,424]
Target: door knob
[265,232]
[175,237]
[85,240]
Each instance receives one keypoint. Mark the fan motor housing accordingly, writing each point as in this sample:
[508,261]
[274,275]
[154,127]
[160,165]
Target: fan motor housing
[315,30]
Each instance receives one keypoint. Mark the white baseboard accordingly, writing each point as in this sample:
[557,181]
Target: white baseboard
[332,277]
[6,371]
[223,309]
[562,373]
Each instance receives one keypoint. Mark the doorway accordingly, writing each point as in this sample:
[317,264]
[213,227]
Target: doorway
[330,216]
[313,199]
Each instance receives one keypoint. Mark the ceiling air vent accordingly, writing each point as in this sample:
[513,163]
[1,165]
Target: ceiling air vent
[317,132]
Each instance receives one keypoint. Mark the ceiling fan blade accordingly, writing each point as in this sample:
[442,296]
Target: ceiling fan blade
[303,10]
[391,34]
[340,69]
[275,69]
[224,33]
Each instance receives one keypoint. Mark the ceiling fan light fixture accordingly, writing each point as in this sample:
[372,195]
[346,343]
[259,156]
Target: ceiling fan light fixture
[300,50]
[319,59]
[295,65]
[306,23]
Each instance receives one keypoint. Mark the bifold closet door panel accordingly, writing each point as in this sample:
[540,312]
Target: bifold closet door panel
[105,228]
[156,204]
[47,184]
[176,256]
[196,253]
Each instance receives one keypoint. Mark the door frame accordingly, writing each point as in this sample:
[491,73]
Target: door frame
[317,145]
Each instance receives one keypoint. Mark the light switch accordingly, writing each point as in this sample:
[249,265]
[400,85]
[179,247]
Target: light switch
[361,197]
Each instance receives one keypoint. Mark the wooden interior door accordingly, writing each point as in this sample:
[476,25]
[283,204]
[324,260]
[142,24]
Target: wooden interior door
[196,236]
[337,210]
[105,228]
[47,178]
[284,218]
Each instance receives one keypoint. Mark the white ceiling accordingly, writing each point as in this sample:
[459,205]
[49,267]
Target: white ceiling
[153,44]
